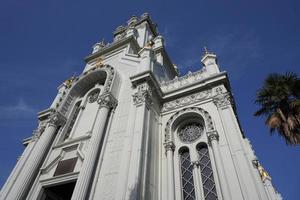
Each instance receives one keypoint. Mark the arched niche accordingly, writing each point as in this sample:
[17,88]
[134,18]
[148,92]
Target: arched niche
[187,115]
[104,75]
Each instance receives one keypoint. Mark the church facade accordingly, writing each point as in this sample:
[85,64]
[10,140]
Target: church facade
[130,128]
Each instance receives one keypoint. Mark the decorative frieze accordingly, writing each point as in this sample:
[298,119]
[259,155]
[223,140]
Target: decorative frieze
[187,100]
[143,94]
[107,100]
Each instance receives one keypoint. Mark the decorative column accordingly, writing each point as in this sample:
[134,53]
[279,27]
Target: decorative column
[106,103]
[169,146]
[213,139]
[142,99]
[34,161]
[196,176]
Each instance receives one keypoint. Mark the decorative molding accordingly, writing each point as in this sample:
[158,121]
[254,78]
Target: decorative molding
[212,135]
[169,146]
[107,85]
[107,100]
[143,94]
[187,100]
[207,119]
[222,100]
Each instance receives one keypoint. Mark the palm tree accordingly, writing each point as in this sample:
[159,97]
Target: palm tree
[279,101]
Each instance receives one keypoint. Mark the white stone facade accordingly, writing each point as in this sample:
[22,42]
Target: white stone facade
[137,130]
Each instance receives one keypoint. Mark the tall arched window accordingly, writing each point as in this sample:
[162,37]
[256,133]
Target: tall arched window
[207,176]
[188,188]
[75,113]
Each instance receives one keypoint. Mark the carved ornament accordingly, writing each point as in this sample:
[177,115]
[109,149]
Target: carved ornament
[222,100]
[108,101]
[187,100]
[207,119]
[143,94]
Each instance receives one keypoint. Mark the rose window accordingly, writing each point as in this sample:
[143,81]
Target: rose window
[190,132]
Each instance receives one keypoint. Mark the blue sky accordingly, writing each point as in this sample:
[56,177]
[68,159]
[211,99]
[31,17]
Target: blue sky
[43,43]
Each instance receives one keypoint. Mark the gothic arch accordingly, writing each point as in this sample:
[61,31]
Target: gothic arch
[184,113]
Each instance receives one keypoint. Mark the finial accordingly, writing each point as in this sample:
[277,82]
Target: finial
[205,50]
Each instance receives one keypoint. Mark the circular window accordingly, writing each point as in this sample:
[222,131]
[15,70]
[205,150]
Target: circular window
[190,132]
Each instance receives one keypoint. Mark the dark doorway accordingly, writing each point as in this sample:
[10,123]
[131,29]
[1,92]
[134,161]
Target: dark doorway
[59,192]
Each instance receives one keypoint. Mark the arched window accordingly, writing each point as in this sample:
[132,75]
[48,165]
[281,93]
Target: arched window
[75,113]
[188,188]
[208,183]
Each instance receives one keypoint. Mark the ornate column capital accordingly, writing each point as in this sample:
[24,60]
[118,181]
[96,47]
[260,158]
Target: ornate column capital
[213,135]
[38,132]
[195,163]
[169,146]
[143,94]
[107,100]
[56,118]
[222,100]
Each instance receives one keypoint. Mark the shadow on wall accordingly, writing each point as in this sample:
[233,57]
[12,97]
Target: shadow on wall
[133,194]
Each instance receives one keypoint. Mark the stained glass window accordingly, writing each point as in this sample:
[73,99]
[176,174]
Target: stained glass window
[73,119]
[188,188]
[207,176]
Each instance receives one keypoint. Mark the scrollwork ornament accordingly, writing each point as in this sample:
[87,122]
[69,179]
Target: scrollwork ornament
[143,95]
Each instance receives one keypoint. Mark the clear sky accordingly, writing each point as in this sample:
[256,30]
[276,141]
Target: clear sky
[44,42]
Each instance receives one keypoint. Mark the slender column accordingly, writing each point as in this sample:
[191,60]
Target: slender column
[198,184]
[213,139]
[32,165]
[17,169]
[169,146]
[106,102]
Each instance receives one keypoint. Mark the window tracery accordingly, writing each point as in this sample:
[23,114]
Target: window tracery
[190,132]
[187,181]
[208,183]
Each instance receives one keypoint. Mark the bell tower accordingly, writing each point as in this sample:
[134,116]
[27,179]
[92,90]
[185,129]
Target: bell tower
[129,127]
